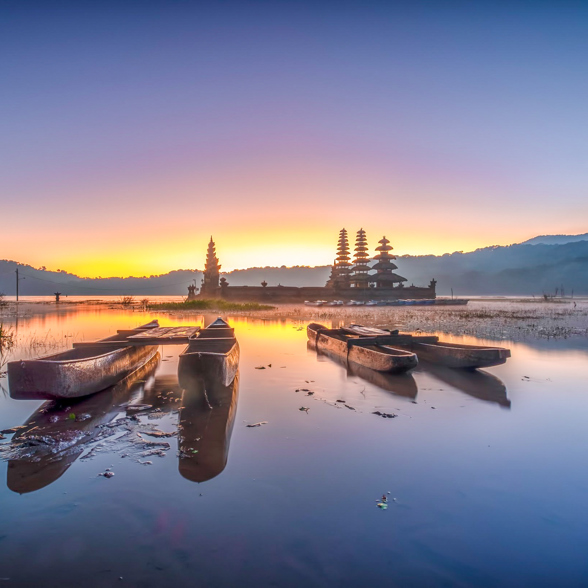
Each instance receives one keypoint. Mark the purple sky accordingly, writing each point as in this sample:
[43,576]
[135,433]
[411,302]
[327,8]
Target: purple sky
[132,131]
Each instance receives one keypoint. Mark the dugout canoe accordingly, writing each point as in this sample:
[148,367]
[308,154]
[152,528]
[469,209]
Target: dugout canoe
[366,351]
[213,353]
[58,432]
[430,349]
[79,372]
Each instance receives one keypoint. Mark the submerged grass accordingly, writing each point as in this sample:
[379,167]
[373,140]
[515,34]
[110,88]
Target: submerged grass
[6,343]
[211,304]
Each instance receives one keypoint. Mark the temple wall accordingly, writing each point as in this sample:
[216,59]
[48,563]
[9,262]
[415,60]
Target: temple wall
[293,294]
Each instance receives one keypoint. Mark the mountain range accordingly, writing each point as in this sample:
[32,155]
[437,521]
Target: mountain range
[538,266]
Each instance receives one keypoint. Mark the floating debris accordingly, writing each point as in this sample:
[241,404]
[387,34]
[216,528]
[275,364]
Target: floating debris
[260,367]
[342,401]
[349,407]
[385,415]
[107,474]
[257,424]
[382,505]
[309,393]
[139,407]
[304,409]
[12,430]
[159,434]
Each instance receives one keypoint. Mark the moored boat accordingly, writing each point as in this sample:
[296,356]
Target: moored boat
[81,371]
[214,353]
[458,355]
[429,348]
[366,351]
[51,440]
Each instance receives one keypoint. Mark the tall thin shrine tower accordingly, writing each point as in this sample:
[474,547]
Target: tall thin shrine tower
[341,268]
[210,281]
[360,277]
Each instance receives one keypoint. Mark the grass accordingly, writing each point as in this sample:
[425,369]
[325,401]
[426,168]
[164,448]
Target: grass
[6,343]
[210,304]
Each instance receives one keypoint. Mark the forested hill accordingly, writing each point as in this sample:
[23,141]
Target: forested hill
[524,269]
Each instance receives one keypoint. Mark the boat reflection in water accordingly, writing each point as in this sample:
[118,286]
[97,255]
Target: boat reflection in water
[58,432]
[207,416]
[477,383]
[398,384]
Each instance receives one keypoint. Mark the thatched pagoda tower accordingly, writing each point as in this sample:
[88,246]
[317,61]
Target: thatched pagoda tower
[210,281]
[341,267]
[385,276]
[360,277]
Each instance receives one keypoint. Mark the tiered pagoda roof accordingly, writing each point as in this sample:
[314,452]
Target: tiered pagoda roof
[360,277]
[341,267]
[210,281]
[384,266]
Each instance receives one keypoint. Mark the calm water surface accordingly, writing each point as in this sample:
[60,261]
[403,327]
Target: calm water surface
[486,473]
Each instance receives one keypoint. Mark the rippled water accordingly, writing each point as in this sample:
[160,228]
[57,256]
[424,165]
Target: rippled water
[486,473]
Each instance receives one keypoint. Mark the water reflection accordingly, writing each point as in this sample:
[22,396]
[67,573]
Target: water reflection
[477,383]
[399,384]
[207,416]
[58,432]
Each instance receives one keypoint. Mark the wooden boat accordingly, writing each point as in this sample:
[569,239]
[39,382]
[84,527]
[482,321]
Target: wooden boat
[453,355]
[451,301]
[51,441]
[367,351]
[207,416]
[458,355]
[214,352]
[81,371]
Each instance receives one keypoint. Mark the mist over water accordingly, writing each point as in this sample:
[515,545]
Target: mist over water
[485,471]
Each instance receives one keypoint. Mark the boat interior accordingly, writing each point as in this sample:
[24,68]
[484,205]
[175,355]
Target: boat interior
[219,345]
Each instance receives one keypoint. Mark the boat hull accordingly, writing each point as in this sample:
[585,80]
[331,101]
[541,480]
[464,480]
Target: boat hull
[375,357]
[75,373]
[217,365]
[461,356]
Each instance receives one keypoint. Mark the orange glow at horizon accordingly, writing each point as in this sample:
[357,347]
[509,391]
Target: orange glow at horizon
[240,249]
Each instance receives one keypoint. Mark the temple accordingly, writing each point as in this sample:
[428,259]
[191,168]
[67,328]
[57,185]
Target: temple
[210,281]
[384,266]
[361,269]
[362,280]
[341,269]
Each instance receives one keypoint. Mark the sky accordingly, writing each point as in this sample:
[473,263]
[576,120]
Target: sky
[130,132]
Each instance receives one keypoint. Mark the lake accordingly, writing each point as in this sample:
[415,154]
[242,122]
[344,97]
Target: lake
[485,474]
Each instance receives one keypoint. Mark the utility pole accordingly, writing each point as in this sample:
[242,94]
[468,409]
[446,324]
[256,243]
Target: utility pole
[17,281]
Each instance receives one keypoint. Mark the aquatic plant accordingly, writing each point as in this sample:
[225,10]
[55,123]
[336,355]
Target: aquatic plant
[210,304]
[6,343]
[127,300]
[2,301]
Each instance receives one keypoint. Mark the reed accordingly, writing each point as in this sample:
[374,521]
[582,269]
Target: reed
[6,343]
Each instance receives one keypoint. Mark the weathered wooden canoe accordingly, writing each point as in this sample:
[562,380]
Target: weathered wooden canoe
[214,353]
[429,348]
[51,440]
[207,416]
[366,351]
[457,355]
[78,372]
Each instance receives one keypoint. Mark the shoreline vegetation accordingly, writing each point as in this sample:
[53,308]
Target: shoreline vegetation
[211,304]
